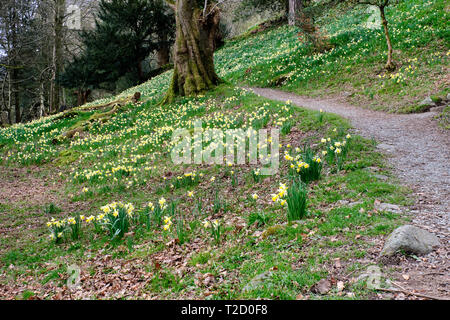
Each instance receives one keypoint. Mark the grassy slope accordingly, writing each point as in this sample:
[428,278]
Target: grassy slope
[127,159]
[420,37]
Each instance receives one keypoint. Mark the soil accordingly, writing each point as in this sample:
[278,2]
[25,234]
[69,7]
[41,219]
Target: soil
[419,152]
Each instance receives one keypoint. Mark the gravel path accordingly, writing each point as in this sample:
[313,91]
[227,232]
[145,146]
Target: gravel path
[419,153]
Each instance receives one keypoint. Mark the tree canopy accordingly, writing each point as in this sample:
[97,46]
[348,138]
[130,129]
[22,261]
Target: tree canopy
[125,33]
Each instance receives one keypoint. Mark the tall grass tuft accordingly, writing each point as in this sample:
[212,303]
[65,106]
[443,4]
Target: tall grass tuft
[296,201]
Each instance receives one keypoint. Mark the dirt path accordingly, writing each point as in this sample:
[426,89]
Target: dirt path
[420,154]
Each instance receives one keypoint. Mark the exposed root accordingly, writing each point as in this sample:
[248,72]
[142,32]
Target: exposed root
[79,111]
[83,126]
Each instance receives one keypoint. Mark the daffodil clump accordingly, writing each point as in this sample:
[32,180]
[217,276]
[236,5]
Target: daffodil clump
[296,201]
[305,164]
[402,74]
[57,229]
[186,180]
[336,151]
[155,213]
[279,197]
[116,217]
[294,198]
[62,228]
[167,223]
[256,175]
[215,228]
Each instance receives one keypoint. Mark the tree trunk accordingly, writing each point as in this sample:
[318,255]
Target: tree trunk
[194,49]
[13,63]
[163,53]
[59,10]
[16,92]
[294,7]
[390,65]
[9,97]
[82,96]
[41,100]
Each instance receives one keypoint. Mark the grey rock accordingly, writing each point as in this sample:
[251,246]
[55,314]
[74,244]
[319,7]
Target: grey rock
[258,281]
[437,109]
[322,287]
[410,239]
[387,207]
[428,102]
[348,203]
[381,177]
[448,96]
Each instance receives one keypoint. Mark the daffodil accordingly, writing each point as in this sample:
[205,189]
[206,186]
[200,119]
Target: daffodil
[167,219]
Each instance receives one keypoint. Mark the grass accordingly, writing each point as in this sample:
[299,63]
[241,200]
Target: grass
[128,159]
[115,165]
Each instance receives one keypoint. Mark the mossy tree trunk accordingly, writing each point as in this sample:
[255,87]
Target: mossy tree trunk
[196,28]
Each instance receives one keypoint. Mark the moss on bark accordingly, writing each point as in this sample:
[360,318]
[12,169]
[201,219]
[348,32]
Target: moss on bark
[194,50]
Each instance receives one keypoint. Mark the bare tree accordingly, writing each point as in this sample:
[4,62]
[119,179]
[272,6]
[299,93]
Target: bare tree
[381,5]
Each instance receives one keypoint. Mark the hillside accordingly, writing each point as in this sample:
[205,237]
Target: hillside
[354,67]
[220,231]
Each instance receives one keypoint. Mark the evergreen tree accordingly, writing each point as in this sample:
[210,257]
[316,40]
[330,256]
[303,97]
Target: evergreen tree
[126,32]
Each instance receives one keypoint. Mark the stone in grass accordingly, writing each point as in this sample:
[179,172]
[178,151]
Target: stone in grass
[409,239]
[427,102]
[322,287]
[380,206]
[258,281]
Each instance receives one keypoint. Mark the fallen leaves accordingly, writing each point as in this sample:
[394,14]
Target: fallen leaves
[204,279]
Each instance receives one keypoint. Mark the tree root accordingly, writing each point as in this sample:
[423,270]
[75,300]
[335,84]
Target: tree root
[81,127]
[78,111]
